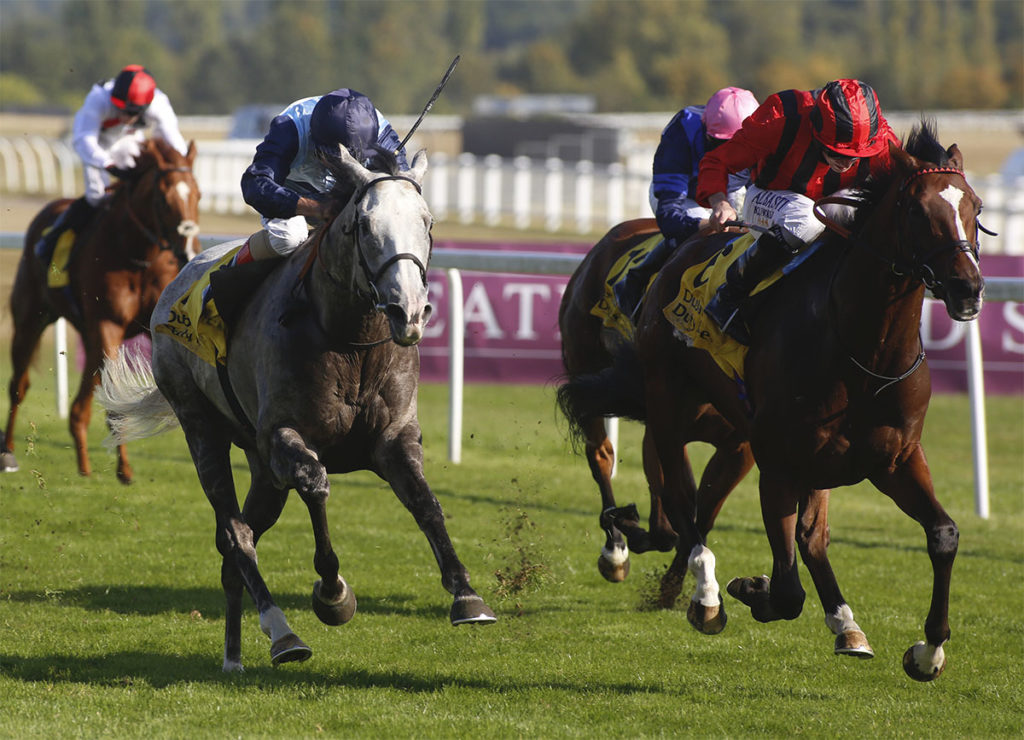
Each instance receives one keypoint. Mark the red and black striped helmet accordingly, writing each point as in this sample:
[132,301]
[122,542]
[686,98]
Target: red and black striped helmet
[846,119]
[133,89]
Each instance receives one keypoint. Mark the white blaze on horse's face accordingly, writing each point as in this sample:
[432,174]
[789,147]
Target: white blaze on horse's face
[953,195]
[187,228]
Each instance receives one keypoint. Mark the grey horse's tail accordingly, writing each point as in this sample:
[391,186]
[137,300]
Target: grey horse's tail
[135,406]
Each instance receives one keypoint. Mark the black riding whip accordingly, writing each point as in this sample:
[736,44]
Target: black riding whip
[430,103]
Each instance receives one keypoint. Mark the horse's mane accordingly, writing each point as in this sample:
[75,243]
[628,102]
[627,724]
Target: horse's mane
[923,144]
[382,160]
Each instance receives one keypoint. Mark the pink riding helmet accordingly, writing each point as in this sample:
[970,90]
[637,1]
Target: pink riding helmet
[725,111]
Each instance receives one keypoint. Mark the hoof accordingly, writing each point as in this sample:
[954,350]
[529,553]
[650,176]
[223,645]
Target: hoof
[708,620]
[755,592]
[334,612]
[471,609]
[614,564]
[8,462]
[855,644]
[923,664]
[289,649]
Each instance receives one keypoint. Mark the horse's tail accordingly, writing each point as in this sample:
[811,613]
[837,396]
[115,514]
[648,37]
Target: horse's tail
[616,390]
[135,406]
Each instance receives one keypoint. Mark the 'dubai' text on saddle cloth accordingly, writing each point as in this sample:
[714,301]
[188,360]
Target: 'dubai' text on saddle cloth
[195,320]
[607,309]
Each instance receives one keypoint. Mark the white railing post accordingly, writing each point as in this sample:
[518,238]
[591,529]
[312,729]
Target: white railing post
[584,196]
[456,350]
[976,392]
[553,194]
[616,194]
[492,189]
[465,193]
[60,365]
[437,192]
[521,192]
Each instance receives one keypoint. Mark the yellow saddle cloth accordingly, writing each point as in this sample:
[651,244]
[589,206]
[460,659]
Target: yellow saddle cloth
[607,309]
[57,275]
[195,320]
[686,312]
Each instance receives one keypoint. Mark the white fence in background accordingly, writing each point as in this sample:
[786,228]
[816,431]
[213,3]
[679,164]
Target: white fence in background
[520,193]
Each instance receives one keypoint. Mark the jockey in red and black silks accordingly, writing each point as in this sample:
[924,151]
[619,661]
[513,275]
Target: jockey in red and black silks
[800,146]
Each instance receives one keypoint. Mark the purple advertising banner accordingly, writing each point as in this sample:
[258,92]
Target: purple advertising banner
[512,328]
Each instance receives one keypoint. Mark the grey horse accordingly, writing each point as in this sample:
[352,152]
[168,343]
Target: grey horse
[320,377]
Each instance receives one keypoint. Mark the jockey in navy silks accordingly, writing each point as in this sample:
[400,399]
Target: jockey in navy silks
[693,131]
[287,178]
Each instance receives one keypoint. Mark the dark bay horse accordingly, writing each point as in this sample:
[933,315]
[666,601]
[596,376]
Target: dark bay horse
[135,245]
[837,384]
[322,373]
[589,346]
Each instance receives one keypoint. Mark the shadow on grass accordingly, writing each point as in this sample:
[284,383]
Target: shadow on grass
[157,600]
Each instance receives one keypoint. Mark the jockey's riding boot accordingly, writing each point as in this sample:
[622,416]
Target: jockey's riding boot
[77,215]
[766,255]
[630,290]
[256,247]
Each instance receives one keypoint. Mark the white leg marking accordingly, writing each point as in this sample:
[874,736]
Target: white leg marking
[232,666]
[273,624]
[615,555]
[841,621]
[928,659]
[702,564]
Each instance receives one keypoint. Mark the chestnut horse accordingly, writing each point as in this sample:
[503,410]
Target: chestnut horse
[837,384]
[590,346]
[134,247]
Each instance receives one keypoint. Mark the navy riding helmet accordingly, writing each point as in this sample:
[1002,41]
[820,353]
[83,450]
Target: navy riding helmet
[345,117]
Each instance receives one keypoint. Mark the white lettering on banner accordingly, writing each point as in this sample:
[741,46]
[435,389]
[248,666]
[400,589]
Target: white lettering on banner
[1012,314]
[526,292]
[479,311]
[956,330]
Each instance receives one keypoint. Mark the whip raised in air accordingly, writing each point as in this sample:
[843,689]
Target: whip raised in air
[430,103]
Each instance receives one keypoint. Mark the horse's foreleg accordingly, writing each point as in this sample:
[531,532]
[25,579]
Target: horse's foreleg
[910,486]
[294,465]
[401,462]
[781,597]
[812,537]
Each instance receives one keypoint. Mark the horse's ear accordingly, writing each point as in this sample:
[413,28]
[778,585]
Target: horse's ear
[418,168]
[955,157]
[904,161]
[190,155]
[350,166]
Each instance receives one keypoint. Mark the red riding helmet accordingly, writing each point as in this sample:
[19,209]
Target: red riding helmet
[133,89]
[846,119]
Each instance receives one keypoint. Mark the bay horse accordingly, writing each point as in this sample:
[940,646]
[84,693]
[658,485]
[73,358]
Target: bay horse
[137,242]
[321,377]
[590,346]
[837,383]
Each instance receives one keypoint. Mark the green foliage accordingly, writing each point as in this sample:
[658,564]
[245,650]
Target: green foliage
[633,55]
[112,611]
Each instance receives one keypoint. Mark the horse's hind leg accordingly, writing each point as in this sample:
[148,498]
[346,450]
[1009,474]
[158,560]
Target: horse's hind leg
[910,486]
[30,321]
[613,562]
[812,537]
[210,444]
[402,466]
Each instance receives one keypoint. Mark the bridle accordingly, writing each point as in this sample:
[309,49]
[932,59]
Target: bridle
[916,268]
[352,229]
[162,240]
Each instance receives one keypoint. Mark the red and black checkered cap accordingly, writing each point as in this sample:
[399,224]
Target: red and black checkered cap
[133,89]
[847,117]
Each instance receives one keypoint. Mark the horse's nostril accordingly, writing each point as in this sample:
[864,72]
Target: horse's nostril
[395,312]
[428,310]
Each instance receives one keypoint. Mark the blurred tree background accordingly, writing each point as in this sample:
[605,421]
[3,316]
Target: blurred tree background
[632,55]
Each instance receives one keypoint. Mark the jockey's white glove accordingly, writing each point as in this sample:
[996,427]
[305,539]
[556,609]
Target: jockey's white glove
[124,152]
